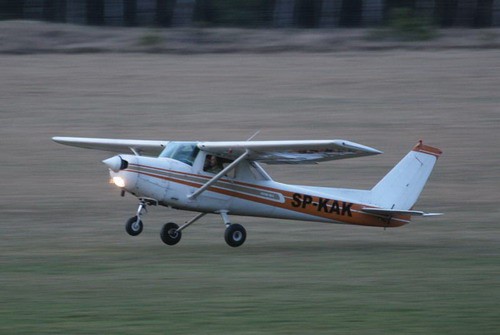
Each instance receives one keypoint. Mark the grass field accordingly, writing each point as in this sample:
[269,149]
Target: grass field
[68,267]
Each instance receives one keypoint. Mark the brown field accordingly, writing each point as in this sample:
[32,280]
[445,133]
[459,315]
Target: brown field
[67,266]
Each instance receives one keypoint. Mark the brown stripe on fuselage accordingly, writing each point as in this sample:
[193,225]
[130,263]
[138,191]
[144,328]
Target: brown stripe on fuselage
[356,217]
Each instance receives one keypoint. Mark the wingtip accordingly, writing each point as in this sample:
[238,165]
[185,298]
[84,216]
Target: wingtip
[57,139]
[374,151]
[433,214]
[368,150]
[62,139]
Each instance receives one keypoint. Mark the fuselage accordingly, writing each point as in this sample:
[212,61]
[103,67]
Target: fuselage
[248,190]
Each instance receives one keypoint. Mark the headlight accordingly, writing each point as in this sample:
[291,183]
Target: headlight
[119,181]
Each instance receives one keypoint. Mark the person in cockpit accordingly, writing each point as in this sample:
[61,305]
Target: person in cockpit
[212,164]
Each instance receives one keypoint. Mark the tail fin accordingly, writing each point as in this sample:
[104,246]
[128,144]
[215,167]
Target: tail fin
[401,187]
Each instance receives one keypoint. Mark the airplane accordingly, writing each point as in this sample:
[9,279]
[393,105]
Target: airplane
[226,178]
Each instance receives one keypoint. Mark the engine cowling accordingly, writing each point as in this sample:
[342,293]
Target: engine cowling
[123,171]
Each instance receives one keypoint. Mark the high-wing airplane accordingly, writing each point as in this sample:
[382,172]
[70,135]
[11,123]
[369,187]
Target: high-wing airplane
[226,178]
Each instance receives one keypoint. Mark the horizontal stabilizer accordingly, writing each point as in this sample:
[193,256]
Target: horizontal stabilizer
[391,212]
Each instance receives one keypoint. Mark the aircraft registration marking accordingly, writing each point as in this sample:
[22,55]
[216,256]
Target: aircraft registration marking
[324,205]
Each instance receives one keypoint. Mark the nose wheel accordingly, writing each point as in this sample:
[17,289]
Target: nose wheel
[134,225]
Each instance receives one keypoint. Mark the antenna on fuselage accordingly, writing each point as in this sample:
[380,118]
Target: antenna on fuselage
[251,137]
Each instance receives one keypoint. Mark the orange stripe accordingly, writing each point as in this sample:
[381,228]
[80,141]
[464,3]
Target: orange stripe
[357,217]
[427,149]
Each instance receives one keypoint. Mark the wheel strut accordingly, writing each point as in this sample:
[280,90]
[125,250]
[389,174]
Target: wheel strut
[143,203]
[142,207]
[225,218]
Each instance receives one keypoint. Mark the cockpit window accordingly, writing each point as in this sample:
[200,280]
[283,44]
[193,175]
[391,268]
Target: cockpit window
[182,151]
[214,164]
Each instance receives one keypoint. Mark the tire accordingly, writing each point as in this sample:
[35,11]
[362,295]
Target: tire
[133,226]
[169,235]
[235,235]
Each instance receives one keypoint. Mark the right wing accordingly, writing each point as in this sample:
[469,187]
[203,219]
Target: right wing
[289,152]
[139,147]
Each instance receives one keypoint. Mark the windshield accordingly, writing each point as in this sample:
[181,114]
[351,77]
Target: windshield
[182,151]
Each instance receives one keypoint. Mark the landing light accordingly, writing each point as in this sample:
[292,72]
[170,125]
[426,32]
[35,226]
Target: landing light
[118,181]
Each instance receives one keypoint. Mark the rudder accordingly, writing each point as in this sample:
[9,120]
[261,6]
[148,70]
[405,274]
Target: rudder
[401,187]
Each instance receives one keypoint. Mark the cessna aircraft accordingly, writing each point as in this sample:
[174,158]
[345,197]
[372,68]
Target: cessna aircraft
[226,178]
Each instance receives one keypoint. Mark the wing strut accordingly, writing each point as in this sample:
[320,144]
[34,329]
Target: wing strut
[219,175]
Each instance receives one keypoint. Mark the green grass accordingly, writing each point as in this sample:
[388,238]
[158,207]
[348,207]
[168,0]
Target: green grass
[316,286]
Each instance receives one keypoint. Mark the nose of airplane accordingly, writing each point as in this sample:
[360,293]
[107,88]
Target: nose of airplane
[116,163]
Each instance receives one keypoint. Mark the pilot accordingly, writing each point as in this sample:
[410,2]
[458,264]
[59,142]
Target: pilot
[212,164]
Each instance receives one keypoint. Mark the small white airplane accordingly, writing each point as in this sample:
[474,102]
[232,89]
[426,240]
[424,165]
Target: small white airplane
[226,178]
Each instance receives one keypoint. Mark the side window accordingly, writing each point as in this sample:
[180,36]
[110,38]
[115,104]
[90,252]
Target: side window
[232,173]
[214,164]
[257,172]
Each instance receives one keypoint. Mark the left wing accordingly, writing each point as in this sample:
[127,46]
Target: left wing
[138,147]
[289,152]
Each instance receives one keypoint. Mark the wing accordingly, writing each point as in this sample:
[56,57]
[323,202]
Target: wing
[289,152]
[139,147]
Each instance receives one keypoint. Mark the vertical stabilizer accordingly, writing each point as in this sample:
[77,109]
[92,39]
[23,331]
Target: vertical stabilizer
[401,187]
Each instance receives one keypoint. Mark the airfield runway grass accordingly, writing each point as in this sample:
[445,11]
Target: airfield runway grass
[68,267]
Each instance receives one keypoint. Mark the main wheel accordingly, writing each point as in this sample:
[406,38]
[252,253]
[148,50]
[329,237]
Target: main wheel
[235,235]
[134,226]
[169,234]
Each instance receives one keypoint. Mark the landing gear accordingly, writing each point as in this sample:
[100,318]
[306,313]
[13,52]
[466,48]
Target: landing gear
[235,235]
[134,226]
[170,233]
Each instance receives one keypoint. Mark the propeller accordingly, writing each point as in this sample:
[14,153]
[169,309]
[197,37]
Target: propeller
[116,163]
